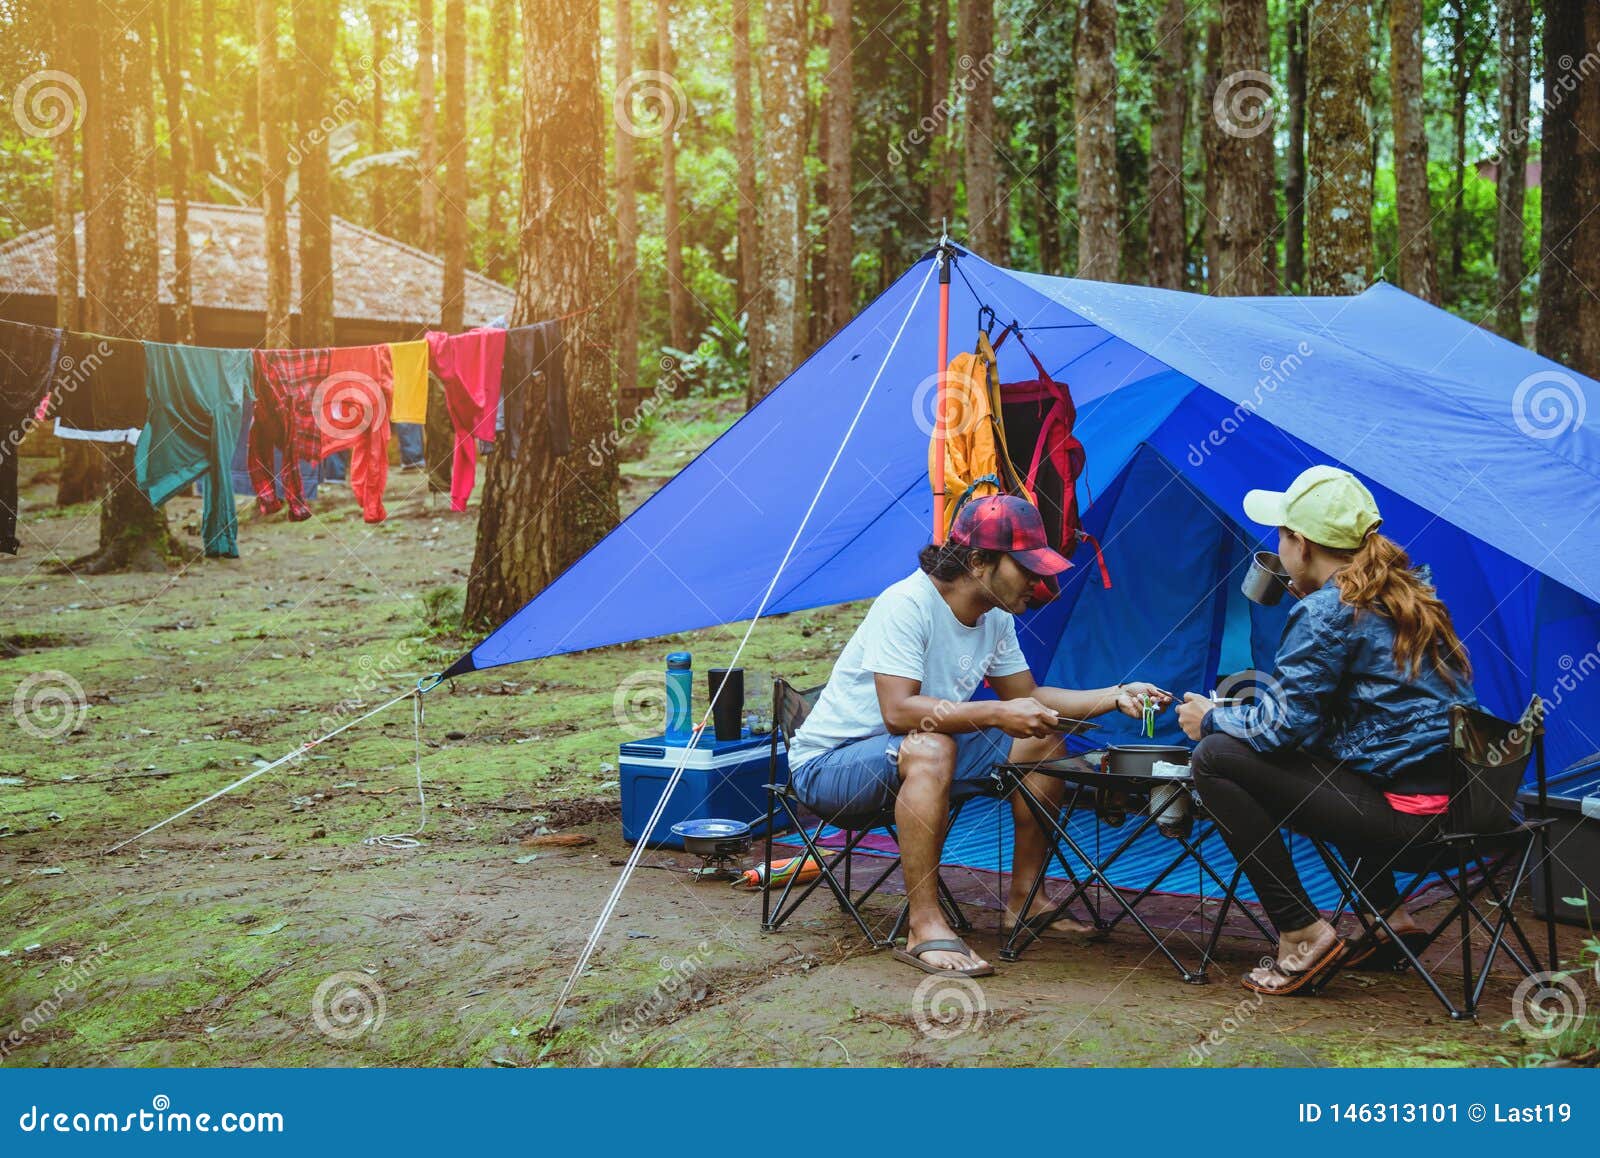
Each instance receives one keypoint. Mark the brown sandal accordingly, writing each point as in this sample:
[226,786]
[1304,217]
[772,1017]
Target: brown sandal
[1302,982]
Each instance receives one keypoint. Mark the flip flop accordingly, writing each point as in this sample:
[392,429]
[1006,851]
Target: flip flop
[1302,982]
[1043,924]
[1372,954]
[913,957]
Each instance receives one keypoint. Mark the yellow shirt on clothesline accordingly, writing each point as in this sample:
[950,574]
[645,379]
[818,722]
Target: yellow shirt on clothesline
[410,381]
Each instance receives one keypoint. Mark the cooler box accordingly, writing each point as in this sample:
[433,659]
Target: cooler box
[723,779]
[1574,801]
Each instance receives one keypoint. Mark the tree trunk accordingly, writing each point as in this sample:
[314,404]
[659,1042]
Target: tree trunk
[171,29]
[939,177]
[1047,118]
[275,215]
[428,145]
[1419,270]
[316,26]
[627,258]
[1169,105]
[1095,113]
[452,309]
[540,512]
[783,95]
[744,145]
[378,18]
[1556,332]
[1242,106]
[975,66]
[201,135]
[1587,252]
[1461,71]
[79,480]
[123,283]
[841,127]
[1338,161]
[1516,66]
[1294,182]
[503,132]
[677,287]
[1210,130]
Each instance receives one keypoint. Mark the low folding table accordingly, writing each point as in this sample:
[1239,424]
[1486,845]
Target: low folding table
[1084,777]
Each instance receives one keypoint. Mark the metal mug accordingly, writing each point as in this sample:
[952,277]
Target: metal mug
[1266,580]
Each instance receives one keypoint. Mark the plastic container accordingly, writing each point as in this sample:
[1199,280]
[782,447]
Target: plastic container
[722,779]
[1573,800]
[680,696]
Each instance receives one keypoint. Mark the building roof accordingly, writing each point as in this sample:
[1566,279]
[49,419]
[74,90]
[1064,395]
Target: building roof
[375,278]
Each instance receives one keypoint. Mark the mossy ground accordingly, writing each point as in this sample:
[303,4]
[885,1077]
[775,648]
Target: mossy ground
[218,939]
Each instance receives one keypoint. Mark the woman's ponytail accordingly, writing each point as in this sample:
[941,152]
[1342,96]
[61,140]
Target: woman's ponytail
[1379,578]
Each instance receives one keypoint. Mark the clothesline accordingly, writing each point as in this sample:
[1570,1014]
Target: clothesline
[186,409]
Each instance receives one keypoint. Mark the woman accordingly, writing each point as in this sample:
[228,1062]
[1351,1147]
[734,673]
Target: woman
[1348,739]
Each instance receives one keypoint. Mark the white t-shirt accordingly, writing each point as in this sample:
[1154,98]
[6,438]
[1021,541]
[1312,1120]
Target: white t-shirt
[909,631]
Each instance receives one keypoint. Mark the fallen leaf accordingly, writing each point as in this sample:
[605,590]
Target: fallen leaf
[269,930]
[529,859]
[48,872]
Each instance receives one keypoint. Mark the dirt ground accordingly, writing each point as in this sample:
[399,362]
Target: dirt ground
[261,930]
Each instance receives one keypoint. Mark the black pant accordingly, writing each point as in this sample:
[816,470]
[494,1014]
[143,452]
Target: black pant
[1252,796]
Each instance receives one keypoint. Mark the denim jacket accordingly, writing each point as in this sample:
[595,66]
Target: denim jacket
[1336,691]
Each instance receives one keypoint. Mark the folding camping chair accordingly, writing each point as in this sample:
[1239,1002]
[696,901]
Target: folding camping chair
[1482,834]
[790,708]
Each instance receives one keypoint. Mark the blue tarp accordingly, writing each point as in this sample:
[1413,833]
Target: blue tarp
[1475,448]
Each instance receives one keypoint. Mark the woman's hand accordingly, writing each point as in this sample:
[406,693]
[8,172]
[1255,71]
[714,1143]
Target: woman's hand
[1131,698]
[1192,714]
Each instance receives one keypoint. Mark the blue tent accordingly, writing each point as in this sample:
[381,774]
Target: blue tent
[1476,449]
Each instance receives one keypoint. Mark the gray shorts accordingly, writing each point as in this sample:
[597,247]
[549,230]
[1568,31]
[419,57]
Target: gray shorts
[856,782]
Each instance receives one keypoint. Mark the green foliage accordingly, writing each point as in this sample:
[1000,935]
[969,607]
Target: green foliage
[720,362]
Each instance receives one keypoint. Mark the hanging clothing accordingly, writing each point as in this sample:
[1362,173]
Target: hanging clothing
[27,363]
[99,390]
[438,438]
[283,427]
[196,407]
[976,460]
[532,378]
[410,363]
[469,365]
[352,405]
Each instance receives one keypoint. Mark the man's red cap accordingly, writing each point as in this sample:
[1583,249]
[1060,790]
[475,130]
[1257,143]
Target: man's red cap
[1010,524]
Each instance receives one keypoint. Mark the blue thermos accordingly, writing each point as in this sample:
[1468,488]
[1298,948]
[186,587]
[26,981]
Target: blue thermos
[680,684]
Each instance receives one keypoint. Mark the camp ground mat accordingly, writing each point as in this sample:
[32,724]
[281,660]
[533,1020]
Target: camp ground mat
[980,839]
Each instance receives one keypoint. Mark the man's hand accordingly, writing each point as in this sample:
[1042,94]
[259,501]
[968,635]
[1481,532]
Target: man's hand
[1192,714]
[1130,701]
[1024,717]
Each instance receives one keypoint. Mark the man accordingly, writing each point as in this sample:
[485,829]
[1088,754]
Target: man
[894,726]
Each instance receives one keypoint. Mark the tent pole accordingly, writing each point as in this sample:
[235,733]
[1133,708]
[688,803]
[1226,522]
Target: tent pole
[943,355]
